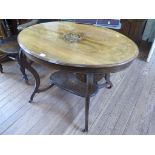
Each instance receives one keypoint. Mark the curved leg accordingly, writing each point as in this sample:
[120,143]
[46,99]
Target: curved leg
[1,68]
[90,82]
[26,65]
[37,82]
[22,69]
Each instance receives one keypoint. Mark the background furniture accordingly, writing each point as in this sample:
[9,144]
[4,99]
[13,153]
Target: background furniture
[2,34]
[8,43]
[149,36]
[2,58]
[9,46]
[109,23]
[133,28]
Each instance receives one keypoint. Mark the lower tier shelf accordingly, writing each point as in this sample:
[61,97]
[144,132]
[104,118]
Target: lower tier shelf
[69,82]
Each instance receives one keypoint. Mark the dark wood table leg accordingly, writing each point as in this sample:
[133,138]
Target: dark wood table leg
[90,82]
[108,82]
[1,68]
[37,82]
[85,86]
[22,69]
[28,66]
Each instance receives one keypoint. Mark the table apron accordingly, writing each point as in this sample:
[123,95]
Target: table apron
[77,69]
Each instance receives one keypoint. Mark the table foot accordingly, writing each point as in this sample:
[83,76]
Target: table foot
[84,130]
[37,90]
[108,82]
[32,96]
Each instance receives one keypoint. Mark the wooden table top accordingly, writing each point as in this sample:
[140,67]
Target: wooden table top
[77,45]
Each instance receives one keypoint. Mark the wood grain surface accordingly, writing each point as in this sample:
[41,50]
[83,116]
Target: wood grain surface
[78,45]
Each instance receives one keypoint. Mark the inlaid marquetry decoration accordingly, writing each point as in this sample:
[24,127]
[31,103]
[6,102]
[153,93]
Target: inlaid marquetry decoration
[71,44]
[73,37]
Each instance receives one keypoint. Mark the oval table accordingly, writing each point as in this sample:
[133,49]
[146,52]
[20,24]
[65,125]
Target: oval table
[82,54]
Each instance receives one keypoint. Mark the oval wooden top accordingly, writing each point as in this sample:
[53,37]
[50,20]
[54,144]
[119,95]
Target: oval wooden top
[77,45]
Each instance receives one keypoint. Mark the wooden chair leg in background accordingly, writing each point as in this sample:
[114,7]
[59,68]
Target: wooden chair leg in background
[22,68]
[2,58]
[1,68]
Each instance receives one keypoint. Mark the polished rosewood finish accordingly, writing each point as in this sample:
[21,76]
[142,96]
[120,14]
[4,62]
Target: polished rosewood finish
[96,47]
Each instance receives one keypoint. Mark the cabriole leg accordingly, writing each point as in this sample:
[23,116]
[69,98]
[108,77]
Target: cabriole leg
[28,66]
